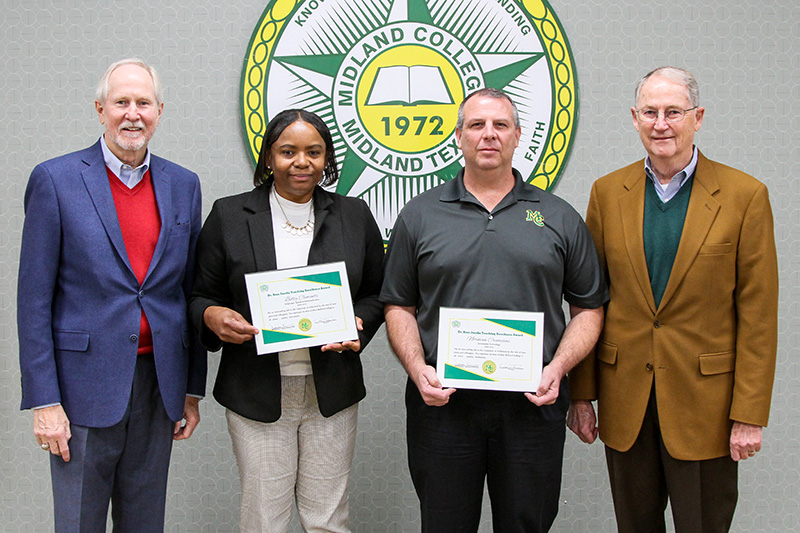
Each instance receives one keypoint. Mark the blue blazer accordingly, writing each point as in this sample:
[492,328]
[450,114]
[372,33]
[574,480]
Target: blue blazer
[79,303]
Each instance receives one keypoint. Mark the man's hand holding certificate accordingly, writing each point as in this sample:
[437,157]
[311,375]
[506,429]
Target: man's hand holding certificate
[490,349]
[301,307]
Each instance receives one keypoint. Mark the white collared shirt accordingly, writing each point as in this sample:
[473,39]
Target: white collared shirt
[667,192]
[128,175]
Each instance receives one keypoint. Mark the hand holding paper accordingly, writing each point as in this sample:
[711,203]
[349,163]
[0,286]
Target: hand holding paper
[228,325]
[346,345]
[431,388]
[547,393]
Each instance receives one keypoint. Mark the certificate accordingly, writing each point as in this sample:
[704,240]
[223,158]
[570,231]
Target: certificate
[490,349]
[301,307]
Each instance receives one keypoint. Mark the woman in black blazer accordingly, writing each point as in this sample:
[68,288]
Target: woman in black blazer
[292,416]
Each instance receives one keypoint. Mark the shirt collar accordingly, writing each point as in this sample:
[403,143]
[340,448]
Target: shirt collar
[454,190]
[679,178]
[128,175]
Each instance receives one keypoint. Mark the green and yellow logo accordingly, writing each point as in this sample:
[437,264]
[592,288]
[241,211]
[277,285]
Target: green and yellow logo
[489,367]
[388,78]
[535,217]
[304,324]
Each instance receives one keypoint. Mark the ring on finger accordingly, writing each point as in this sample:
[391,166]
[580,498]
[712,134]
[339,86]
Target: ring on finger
[46,446]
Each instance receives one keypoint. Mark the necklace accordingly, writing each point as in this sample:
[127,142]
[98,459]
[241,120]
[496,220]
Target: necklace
[290,228]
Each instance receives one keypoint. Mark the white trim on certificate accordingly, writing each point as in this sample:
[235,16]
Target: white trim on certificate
[490,349]
[301,307]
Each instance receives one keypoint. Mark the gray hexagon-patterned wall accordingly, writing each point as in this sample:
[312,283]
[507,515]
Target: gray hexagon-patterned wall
[745,54]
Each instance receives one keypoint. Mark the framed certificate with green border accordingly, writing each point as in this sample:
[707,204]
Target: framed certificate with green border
[490,349]
[301,307]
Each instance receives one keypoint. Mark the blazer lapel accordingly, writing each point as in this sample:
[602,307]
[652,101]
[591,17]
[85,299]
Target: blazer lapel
[161,188]
[259,224]
[700,215]
[95,178]
[320,251]
[631,206]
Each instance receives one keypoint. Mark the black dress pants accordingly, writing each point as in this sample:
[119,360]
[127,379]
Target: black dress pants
[485,436]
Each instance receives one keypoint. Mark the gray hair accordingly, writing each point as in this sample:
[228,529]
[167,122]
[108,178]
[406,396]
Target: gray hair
[678,75]
[489,92]
[101,93]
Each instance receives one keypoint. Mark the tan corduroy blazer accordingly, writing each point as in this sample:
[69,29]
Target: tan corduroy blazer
[711,346]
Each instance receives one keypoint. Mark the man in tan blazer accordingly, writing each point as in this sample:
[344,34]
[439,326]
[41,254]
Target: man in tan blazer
[683,370]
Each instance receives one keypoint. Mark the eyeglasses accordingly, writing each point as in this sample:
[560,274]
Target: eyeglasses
[671,115]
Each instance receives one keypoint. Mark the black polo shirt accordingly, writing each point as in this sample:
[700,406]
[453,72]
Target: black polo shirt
[447,250]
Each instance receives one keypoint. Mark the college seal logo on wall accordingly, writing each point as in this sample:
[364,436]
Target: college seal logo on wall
[387,76]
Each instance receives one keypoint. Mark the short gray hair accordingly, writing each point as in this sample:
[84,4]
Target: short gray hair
[101,93]
[678,75]
[489,92]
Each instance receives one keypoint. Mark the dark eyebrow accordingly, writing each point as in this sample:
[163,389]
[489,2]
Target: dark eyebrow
[295,147]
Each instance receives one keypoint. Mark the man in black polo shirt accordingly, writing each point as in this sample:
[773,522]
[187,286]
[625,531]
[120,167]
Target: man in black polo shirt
[488,240]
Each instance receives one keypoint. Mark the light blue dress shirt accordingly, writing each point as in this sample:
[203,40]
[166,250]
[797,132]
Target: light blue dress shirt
[128,175]
[667,192]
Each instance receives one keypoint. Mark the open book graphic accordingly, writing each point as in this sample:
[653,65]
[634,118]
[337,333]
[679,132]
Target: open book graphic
[401,85]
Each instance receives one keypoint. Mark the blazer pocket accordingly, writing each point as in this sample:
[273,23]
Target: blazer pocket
[716,363]
[716,249]
[73,341]
[607,353]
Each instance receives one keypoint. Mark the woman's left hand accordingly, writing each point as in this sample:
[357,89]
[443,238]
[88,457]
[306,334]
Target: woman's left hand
[346,345]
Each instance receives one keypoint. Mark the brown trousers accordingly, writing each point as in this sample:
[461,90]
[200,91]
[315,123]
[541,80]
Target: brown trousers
[702,494]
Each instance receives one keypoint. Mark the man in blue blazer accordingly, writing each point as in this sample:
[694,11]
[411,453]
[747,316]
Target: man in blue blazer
[109,364]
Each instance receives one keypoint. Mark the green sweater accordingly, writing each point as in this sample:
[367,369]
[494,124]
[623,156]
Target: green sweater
[663,225]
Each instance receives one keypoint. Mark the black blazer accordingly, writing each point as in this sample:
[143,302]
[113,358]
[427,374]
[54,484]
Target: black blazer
[237,239]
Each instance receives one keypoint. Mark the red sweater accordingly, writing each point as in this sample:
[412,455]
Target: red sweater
[137,211]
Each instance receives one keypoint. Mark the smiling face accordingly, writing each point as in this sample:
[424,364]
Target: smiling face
[297,159]
[488,136]
[130,113]
[669,145]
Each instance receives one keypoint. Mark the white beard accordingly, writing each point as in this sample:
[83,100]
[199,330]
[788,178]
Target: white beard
[130,144]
